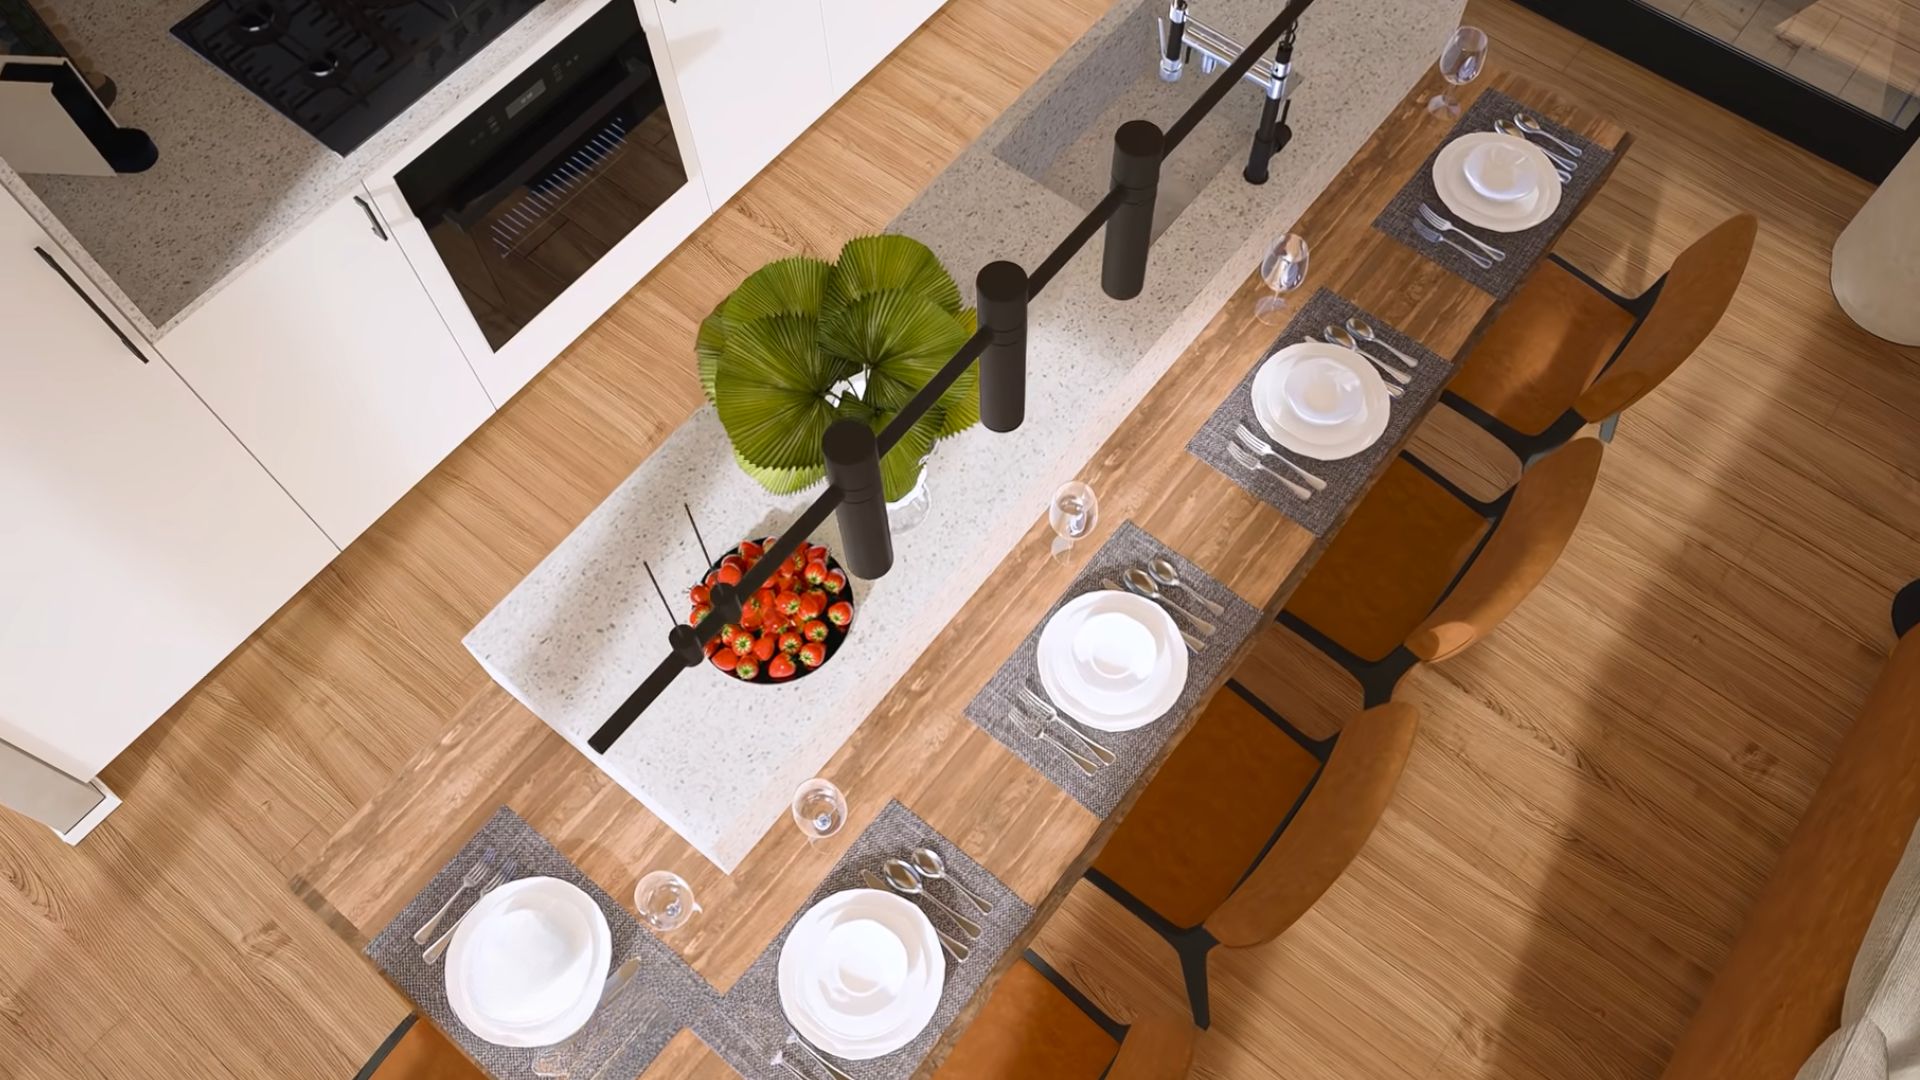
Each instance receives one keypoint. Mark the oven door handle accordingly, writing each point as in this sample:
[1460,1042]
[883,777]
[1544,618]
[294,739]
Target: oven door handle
[373,219]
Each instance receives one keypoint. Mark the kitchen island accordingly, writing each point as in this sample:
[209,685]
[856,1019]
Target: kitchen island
[915,745]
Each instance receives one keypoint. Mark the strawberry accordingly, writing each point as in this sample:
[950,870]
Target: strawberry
[750,618]
[812,653]
[816,553]
[747,668]
[713,578]
[741,642]
[787,603]
[700,611]
[812,603]
[814,630]
[750,551]
[815,573]
[834,582]
[734,561]
[798,560]
[725,660]
[764,648]
[768,601]
[840,614]
[701,594]
[781,667]
[729,575]
[712,646]
[790,641]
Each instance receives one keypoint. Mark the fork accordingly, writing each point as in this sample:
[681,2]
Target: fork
[780,1059]
[1261,447]
[1038,728]
[1432,237]
[1441,223]
[1045,708]
[835,1071]
[475,875]
[439,948]
[1248,461]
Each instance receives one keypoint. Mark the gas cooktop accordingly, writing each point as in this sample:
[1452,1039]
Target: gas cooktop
[342,69]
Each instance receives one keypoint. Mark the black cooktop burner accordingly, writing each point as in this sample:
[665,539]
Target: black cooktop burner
[341,69]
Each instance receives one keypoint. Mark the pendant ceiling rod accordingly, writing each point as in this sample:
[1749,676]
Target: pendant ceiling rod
[688,643]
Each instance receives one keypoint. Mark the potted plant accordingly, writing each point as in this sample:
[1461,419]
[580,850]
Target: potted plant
[804,342]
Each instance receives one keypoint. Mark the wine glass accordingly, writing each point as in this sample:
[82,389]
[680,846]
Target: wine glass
[664,901]
[1284,269]
[819,809]
[1460,62]
[1072,515]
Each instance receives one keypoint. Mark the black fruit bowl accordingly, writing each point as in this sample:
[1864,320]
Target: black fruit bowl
[836,635]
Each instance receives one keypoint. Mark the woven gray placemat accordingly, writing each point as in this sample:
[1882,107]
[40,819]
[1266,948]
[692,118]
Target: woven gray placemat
[748,1025]
[678,995]
[992,707]
[1523,248]
[1347,477]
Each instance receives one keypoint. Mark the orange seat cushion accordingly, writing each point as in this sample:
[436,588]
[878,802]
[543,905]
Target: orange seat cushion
[1543,351]
[1209,812]
[1030,1029]
[424,1053]
[1389,564]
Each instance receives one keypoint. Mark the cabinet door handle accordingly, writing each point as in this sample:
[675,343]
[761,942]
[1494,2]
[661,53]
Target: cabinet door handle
[88,300]
[373,219]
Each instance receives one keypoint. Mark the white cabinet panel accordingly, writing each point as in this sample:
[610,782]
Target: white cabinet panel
[329,361]
[139,542]
[861,33]
[753,75]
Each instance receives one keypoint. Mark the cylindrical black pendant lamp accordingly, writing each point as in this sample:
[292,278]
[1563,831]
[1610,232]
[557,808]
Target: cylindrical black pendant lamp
[1002,290]
[853,466]
[1137,149]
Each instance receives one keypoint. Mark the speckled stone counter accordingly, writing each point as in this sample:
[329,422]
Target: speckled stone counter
[234,176]
[718,759]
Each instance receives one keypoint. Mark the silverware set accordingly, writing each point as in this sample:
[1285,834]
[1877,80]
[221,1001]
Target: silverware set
[483,875]
[795,1042]
[1436,228]
[909,878]
[1041,720]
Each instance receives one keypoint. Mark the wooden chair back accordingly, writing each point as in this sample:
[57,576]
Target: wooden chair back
[1328,830]
[1697,290]
[1532,533]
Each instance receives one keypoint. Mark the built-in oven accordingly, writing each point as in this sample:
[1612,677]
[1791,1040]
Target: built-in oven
[532,190]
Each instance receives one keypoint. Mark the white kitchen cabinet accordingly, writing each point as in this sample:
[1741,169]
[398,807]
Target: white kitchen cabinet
[330,362]
[861,33]
[139,541]
[752,73]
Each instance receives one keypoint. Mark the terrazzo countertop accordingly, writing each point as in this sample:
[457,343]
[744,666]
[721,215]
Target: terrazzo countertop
[718,759]
[234,176]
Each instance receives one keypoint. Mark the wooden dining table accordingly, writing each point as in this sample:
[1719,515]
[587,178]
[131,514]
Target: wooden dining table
[917,746]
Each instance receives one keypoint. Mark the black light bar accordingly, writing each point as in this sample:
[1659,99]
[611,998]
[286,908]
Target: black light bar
[1000,343]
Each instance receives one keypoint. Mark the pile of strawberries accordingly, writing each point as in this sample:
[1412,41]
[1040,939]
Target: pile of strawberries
[786,625]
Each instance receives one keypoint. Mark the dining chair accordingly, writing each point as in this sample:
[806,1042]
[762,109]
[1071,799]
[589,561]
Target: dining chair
[1248,824]
[1421,571]
[418,1051]
[1568,352]
[1037,1024]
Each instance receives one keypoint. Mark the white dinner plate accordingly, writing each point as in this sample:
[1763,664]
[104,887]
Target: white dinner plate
[481,977]
[1068,686]
[1322,442]
[1457,192]
[844,933]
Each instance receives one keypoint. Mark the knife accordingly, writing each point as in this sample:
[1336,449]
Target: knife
[556,1062]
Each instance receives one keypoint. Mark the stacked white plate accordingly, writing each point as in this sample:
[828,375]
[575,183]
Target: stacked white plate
[860,974]
[1321,401]
[1112,660]
[1498,182]
[526,965]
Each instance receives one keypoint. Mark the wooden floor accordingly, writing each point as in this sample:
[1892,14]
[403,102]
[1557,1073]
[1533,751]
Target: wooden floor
[1597,794]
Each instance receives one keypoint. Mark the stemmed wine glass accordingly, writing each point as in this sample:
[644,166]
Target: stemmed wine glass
[664,901]
[1283,269]
[1072,515]
[1460,62]
[819,809]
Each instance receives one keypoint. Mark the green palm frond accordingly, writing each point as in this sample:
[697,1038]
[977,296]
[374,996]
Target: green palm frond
[870,264]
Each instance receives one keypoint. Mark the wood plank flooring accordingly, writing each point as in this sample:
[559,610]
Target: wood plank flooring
[1598,792]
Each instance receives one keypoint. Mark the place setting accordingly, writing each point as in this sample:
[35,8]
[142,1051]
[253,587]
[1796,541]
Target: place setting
[1096,688]
[878,961]
[1304,430]
[1478,204]
[533,969]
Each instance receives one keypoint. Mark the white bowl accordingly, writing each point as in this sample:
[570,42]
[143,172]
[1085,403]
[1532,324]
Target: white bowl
[1321,390]
[1113,651]
[1502,170]
[525,966]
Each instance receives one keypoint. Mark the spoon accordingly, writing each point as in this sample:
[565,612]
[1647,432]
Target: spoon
[1534,127]
[932,867]
[1164,573]
[1562,166]
[1337,336]
[959,950]
[1363,330]
[1138,581]
[905,880]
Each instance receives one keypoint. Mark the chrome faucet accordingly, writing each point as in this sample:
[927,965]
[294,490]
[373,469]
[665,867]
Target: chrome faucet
[1182,36]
